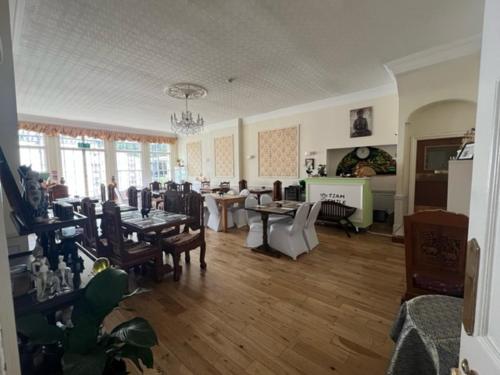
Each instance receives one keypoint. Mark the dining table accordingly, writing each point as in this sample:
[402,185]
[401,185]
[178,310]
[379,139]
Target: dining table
[286,208]
[154,221]
[123,208]
[260,191]
[225,201]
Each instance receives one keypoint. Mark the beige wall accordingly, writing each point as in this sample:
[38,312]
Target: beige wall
[321,130]
[453,86]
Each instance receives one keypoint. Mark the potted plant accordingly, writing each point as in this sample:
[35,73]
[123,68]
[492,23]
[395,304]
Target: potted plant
[85,346]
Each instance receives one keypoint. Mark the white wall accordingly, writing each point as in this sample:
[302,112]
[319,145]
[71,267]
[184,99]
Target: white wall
[8,142]
[207,138]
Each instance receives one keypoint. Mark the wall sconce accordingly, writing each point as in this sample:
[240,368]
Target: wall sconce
[250,157]
[309,153]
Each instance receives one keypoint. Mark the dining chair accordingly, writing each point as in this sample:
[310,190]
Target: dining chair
[215,217]
[254,237]
[277,191]
[91,238]
[155,186]
[245,193]
[146,201]
[126,254]
[190,239]
[103,193]
[111,192]
[187,187]
[132,196]
[266,199]
[310,234]
[58,191]
[172,186]
[289,238]
[225,186]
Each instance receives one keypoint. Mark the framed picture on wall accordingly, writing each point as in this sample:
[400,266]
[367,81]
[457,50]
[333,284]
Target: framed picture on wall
[361,122]
[309,164]
[467,152]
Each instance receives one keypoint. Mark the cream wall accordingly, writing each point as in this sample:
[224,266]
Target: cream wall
[207,138]
[452,80]
[320,130]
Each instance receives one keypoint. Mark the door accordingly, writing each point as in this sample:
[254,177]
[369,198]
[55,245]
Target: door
[431,172]
[482,350]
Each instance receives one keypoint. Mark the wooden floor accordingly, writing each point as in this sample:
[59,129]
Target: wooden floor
[329,312]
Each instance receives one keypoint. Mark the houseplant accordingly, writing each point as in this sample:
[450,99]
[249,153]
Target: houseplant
[85,346]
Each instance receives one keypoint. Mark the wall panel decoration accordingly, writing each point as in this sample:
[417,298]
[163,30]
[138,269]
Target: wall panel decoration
[278,152]
[193,153]
[224,156]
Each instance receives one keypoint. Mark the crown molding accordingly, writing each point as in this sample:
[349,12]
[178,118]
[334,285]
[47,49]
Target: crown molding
[89,125]
[435,55]
[368,94]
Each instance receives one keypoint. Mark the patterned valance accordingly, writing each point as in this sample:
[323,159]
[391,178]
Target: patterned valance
[109,135]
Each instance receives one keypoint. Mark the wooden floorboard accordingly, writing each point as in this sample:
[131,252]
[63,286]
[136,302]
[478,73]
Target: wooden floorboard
[329,312]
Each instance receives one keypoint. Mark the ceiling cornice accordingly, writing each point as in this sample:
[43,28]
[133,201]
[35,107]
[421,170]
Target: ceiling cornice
[89,125]
[435,55]
[376,92]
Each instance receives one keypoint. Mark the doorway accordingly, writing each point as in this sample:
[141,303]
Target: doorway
[431,172]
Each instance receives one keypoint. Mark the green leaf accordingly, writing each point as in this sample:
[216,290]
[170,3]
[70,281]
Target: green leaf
[137,332]
[82,338]
[93,362]
[135,353]
[38,330]
[102,295]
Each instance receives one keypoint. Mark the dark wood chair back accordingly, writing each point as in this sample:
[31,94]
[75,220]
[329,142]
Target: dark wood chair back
[277,192]
[112,227]
[112,192]
[103,193]
[173,202]
[292,193]
[194,208]
[242,185]
[58,191]
[172,186]
[132,196]
[436,247]
[91,233]
[146,199]
[205,184]
[155,186]
[187,187]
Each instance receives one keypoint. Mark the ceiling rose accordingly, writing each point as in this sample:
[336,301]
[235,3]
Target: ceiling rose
[186,124]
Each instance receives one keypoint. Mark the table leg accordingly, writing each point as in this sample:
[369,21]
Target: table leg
[265,248]
[224,217]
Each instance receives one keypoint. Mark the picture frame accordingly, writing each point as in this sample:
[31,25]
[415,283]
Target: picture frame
[361,122]
[309,164]
[466,152]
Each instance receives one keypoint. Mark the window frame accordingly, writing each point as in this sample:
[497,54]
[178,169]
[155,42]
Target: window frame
[42,148]
[155,155]
[141,170]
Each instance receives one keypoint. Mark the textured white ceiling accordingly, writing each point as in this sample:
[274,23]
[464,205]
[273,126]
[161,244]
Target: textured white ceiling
[108,61]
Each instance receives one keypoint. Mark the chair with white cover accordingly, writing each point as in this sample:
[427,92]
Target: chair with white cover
[239,215]
[245,193]
[266,199]
[289,238]
[254,237]
[310,231]
[252,216]
[215,217]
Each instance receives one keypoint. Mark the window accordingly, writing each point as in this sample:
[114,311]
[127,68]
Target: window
[160,162]
[128,164]
[32,150]
[84,165]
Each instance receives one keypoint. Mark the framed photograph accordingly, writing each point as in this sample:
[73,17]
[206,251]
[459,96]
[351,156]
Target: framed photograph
[309,164]
[361,122]
[467,152]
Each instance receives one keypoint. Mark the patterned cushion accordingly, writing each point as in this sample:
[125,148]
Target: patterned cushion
[438,286]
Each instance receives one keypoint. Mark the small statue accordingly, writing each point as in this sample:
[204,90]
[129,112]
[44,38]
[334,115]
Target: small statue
[64,274]
[35,195]
[41,280]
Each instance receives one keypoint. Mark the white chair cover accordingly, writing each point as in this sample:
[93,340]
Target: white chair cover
[245,192]
[266,199]
[309,230]
[289,238]
[215,219]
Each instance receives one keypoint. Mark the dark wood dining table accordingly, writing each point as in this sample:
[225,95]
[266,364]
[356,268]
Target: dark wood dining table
[156,221]
[123,208]
[287,208]
[260,191]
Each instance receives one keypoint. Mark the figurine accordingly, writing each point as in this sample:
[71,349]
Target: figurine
[35,196]
[41,280]
[64,274]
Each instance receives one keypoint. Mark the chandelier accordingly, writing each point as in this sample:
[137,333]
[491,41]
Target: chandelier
[186,124]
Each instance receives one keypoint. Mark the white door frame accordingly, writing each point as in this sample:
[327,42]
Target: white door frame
[413,161]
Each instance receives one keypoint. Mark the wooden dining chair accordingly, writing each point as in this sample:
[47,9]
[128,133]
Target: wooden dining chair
[126,254]
[192,237]
[435,247]
[58,191]
[172,186]
[277,191]
[187,187]
[111,192]
[146,201]
[132,196]
[103,193]
[91,238]
[242,185]
[155,186]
